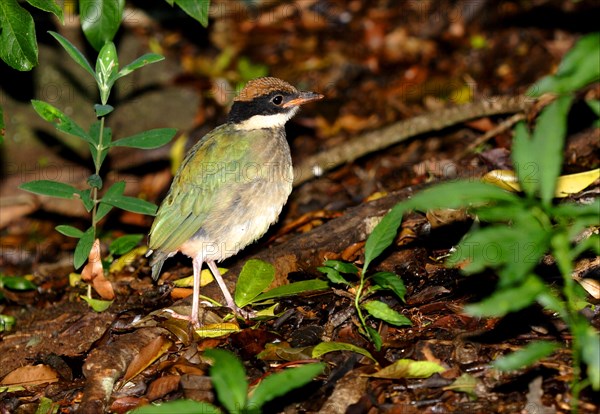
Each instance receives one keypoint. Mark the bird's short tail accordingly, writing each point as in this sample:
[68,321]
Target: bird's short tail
[157,261]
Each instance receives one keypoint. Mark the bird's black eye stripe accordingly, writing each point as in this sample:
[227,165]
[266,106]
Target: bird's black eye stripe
[277,99]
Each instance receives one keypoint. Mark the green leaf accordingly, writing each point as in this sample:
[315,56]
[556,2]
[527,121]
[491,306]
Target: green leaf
[343,267]
[383,234]
[69,231]
[50,188]
[107,69]
[333,275]
[153,138]
[278,384]
[61,121]
[255,277]
[100,20]
[49,6]
[447,195]
[18,46]
[293,289]
[140,62]
[501,302]
[102,211]
[408,368]
[374,337]
[325,347]
[525,164]
[86,199]
[229,379]
[102,110]
[578,68]
[16,283]
[588,339]
[135,205]
[548,139]
[75,54]
[100,145]
[526,356]
[124,244]
[179,407]
[390,281]
[98,305]
[382,311]
[197,9]
[83,248]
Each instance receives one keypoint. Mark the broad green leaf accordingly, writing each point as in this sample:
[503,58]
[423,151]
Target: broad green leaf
[229,379]
[114,197]
[525,162]
[466,383]
[390,281]
[98,305]
[69,231]
[293,289]
[255,277]
[343,267]
[326,347]
[124,244]
[61,121]
[548,139]
[102,110]
[16,283]
[408,368]
[526,356]
[83,248]
[50,188]
[578,68]
[447,195]
[18,46]
[86,199]
[100,20]
[217,330]
[6,322]
[374,337]
[383,234]
[179,407]
[153,138]
[589,342]
[501,302]
[382,311]
[280,383]
[107,69]
[49,6]
[333,275]
[75,54]
[140,62]
[197,9]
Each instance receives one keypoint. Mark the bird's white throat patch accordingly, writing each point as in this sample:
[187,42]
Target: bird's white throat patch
[267,121]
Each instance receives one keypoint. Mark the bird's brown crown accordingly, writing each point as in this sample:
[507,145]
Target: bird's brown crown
[263,86]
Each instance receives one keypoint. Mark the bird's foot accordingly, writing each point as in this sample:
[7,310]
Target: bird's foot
[190,318]
[241,312]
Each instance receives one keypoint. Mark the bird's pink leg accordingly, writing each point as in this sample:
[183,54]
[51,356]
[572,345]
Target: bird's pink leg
[228,298]
[197,265]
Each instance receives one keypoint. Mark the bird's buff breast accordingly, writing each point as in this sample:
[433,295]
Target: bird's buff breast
[257,206]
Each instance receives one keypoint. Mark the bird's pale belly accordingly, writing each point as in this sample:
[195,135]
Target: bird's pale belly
[228,231]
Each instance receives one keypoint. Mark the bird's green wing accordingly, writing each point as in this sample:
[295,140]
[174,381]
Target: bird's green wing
[206,180]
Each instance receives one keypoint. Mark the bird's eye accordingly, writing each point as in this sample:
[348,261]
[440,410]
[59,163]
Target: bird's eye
[277,100]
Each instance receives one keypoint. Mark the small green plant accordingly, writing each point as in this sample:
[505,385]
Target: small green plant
[365,285]
[17,283]
[229,380]
[100,140]
[516,231]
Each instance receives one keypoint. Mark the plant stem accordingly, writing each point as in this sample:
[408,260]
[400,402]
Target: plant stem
[357,298]
[99,148]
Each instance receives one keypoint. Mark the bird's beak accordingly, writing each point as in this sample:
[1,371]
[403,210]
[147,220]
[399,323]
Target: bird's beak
[303,97]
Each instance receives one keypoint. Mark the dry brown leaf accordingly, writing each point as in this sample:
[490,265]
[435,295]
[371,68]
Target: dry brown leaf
[147,356]
[162,386]
[30,375]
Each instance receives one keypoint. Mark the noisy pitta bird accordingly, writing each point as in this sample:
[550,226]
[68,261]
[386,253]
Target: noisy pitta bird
[231,185]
